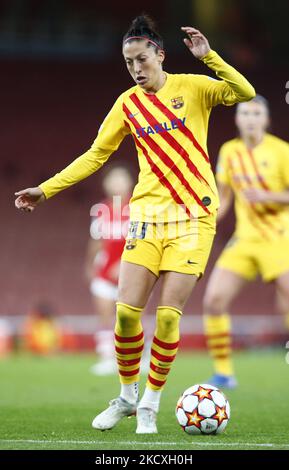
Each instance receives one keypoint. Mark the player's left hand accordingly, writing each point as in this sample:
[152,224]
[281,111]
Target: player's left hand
[197,42]
[257,195]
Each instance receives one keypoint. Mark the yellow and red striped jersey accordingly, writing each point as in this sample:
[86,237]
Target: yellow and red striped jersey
[169,129]
[265,167]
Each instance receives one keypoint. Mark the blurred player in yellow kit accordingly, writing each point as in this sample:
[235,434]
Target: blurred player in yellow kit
[41,333]
[254,169]
[173,206]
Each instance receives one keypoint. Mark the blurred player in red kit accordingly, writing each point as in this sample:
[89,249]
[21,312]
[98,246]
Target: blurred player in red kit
[108,229]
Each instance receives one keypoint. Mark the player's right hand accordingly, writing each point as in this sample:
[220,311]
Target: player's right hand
[28,199]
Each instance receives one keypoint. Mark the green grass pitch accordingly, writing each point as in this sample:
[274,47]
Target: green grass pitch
[49,403]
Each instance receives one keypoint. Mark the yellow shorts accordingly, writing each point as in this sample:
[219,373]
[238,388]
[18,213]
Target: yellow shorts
[248,258]
[183,247]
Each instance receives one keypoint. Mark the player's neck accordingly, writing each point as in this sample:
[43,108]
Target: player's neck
[252,141]
[158,84]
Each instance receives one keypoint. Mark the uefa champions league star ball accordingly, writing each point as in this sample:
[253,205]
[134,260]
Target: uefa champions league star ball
[203,409]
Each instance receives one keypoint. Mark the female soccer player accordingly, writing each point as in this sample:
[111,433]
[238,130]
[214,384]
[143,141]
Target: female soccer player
[173,207]
[254,168]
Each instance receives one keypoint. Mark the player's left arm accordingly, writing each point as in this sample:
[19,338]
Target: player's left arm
[233,86]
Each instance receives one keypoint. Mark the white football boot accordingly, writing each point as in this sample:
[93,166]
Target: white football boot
[146,421]
[118,409]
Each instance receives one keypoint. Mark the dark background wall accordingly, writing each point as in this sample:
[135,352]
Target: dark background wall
[61,70]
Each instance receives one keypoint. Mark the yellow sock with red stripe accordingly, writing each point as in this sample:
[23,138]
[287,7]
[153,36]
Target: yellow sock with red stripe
[218,335]
[163,352]
[129,343]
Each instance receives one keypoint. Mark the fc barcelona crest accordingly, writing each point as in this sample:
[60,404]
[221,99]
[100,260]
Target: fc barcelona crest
[178,102]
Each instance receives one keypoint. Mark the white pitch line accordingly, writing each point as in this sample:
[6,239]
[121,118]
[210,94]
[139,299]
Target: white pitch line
[230,444]
[35,441]
[162,443]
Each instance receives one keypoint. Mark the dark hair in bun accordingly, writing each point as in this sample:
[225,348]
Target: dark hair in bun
[144,27]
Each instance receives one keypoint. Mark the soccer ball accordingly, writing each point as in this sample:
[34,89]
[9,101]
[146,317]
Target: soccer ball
[203,409]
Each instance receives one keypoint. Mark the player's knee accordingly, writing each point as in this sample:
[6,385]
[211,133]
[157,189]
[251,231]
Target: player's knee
[214,303]
[127,316]
[167,319]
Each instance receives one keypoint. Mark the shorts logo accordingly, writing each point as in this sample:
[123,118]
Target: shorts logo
[178,102]
[191,262]
[130,244]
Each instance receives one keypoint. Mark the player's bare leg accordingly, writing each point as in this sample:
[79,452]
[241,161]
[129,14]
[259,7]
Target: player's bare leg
[104,336]
[135,285]
[223,286]
[282,297]
[176,289]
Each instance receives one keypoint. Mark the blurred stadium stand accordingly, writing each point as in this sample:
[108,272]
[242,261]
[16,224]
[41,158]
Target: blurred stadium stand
[61,70]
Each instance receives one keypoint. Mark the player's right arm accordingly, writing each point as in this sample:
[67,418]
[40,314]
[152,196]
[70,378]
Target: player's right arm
[93,248]
[110,135]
